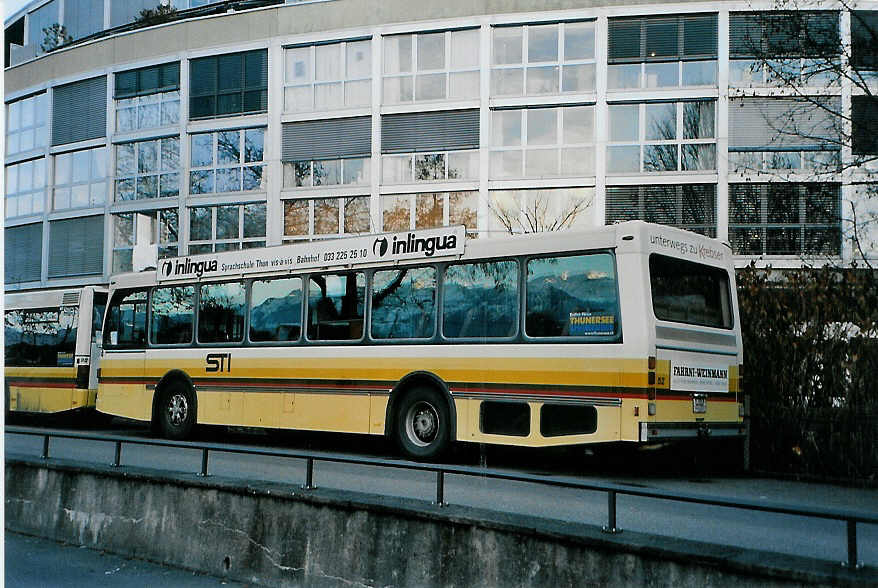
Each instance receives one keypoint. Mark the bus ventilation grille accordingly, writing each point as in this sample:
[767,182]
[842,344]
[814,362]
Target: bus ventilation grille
[70,299]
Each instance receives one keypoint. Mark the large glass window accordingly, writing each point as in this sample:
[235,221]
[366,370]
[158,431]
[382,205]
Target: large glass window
[425,167]
[141,236]
[335,306]
[226,228]
[687,292]
[328,77]
[542,142]
[326,172]
[662,51]
[688,206]
[276,309]
[148,112]
[126,321]
[26,126]
[325,217]
[785,218]
[148,97]
[572,296]
[148,169]
[404,303]
[779,48]
[536,60]
[480,300]
[45,337]
[405,212]
[431,66]
[25,188]
[662,136]
[81,179]
[222,85]
[535,211]
[172,315]
[221,313]
[227,161]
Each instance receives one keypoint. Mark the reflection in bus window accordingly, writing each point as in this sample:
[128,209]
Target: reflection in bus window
[571,296]
[335,306]
[276,309]
[221,313]
[687,292]
[481,300]
[45,338]
[172,315]
[404,303]
[99,305]
[125,326]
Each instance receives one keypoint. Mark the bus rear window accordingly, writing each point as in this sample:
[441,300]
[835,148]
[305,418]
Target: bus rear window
[691,293]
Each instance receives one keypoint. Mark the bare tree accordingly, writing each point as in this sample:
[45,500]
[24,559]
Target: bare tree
[538,211]
[798,54]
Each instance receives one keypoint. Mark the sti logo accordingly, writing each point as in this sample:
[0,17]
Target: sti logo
[379,248]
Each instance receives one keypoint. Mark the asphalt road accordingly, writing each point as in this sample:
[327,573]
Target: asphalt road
[778,533]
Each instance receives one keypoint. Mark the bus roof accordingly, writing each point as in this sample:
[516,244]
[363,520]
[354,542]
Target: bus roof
[46,298]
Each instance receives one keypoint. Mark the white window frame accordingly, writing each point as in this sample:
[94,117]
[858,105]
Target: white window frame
[525,65]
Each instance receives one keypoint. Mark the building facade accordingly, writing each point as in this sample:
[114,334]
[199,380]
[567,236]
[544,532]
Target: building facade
[260,123]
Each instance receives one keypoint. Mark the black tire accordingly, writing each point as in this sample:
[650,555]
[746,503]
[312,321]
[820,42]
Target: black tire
[175,411]
[422,424]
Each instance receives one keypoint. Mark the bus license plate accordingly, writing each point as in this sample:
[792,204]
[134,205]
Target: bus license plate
[699,403]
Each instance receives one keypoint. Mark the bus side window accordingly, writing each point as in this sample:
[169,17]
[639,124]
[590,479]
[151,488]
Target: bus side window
[126,321]
[571,296]
[481,300]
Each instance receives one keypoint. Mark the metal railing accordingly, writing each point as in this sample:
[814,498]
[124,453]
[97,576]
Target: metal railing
[851,518]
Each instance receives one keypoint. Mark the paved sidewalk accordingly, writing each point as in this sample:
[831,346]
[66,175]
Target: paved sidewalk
[31,561]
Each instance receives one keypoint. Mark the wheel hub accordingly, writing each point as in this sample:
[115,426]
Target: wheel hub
[422,423]
[178,409]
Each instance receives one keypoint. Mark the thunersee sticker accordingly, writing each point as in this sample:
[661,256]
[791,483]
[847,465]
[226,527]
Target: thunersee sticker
[390,247]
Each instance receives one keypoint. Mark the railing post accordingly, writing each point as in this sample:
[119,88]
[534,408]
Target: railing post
[611,513]
[117,459]
[309,474]
[203,463]
[45,453]
[852,545]
[440,488]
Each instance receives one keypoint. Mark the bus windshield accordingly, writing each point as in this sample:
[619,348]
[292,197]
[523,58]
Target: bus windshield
[691,293]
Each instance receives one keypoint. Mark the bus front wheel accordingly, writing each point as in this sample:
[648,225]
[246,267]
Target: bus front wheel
[422,424]
[176,411]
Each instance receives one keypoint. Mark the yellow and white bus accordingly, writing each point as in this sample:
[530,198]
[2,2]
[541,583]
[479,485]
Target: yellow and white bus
[628,332]
[52,346]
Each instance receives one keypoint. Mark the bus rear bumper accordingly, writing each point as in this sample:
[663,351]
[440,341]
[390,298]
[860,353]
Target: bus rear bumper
[652,432]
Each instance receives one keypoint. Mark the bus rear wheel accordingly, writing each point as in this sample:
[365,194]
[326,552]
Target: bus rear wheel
[422,424]
[175,413]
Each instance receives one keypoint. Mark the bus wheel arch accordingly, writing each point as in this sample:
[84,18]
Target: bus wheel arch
[418,403]
[174,406]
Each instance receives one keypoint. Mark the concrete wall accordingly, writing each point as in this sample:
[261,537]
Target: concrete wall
[285,536]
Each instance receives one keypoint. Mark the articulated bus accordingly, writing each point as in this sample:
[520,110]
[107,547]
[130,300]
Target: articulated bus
[628,332]
[52,348]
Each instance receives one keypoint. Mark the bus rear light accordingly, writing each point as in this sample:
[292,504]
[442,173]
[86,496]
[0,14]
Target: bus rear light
[650,362]
[651,379]
[636,411]
[651,408]
[741,409]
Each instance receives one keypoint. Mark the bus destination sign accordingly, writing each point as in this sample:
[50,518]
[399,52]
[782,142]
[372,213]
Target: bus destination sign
[388,247]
